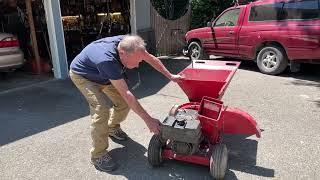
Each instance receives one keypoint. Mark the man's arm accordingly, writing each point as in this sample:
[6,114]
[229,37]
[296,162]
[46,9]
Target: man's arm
[133,103]
[157,64]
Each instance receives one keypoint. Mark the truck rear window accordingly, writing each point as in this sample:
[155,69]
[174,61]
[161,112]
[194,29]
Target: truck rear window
[292,10]
[307,9]
[266,12]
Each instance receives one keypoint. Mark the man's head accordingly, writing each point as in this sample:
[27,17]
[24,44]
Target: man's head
[131,50]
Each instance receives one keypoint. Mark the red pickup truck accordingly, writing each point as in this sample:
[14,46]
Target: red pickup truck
[274,33]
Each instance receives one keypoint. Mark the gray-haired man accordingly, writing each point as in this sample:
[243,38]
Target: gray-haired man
[98,73]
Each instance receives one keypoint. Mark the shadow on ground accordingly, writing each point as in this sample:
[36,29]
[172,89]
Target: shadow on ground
[17,79]
[32,110]
[312,81]
[133,162]
[308,77]
[151,80]
[28,111]
[243,156]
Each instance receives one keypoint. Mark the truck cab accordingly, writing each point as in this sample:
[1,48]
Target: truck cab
[274,33]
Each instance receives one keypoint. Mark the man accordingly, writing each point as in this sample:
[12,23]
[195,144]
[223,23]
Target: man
[98,73]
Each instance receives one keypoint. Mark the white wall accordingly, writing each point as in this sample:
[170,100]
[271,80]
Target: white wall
[142,14]
[56,37]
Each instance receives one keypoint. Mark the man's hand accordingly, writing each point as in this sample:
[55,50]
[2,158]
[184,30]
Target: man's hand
[153,125]
[175,78]
[157,64]
[122,88]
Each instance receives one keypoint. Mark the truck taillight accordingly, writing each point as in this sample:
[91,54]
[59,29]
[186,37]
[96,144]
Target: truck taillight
[9,42]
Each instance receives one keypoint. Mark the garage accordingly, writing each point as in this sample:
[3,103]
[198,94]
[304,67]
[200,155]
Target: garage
[85,21]
[24,45]
[42,37]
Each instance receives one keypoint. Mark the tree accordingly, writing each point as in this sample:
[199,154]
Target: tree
[205,10]
[171,9]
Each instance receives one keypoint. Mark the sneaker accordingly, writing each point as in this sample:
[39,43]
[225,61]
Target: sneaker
[119,134]
[104,163]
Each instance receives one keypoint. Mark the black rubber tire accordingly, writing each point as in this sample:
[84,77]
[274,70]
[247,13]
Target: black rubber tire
[202,54]
[281,58]
[154,151]
[219,161]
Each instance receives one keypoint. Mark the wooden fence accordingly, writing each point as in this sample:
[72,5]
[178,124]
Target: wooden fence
[169,34]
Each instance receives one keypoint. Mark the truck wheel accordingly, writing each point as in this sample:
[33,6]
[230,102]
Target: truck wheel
[219,161]
[155,151]
[196,52]
[272,60]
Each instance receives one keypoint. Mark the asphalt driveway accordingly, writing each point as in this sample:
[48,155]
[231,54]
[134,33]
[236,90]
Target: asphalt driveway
[44,131]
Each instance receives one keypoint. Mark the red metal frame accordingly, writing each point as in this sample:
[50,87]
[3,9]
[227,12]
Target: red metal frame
[236,121]
[195,159]
[205,83]
[230,121]
[209,114]
[207,78]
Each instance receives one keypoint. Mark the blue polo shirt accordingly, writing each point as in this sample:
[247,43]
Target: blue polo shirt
[99,61]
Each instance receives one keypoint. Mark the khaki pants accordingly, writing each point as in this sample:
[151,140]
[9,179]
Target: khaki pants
[105,117]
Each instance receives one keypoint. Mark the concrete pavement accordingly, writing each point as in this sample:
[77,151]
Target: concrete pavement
[44,131]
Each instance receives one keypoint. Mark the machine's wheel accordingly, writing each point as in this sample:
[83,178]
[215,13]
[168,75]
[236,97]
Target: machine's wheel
[272,60]
[219,161]
[155,151]
[173,110]
[195,51]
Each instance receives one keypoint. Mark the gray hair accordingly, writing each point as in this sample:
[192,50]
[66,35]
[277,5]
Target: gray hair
[132,43]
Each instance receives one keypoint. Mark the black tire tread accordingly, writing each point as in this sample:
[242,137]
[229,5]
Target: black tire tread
[217,169]
[154,151]
[203,55]
[283,64]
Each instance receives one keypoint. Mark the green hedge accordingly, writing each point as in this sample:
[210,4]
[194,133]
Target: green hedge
[204,10]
